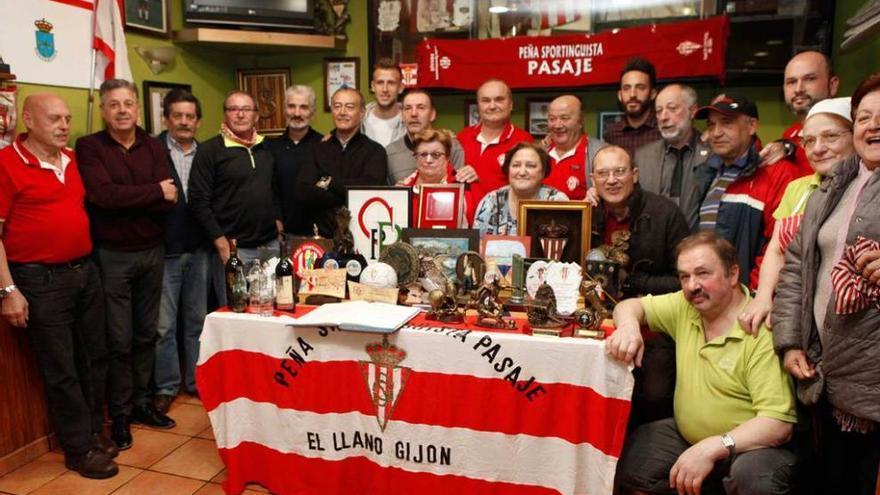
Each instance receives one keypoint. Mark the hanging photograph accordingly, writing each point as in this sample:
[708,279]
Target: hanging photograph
[536,116]
[150,17]
[266,87]
[339,73]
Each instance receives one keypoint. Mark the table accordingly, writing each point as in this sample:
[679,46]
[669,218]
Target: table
[431,409]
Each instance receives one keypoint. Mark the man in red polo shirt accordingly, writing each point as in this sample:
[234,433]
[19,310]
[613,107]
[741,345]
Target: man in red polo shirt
[486,143]
[50,287]
[570,149]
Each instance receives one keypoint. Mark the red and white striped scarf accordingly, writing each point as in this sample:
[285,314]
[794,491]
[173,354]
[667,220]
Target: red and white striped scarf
[853,292]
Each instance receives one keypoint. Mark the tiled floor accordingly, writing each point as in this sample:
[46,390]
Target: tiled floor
[179,461]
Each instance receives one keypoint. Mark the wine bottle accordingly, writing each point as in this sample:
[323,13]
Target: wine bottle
[232,264]
[285,300]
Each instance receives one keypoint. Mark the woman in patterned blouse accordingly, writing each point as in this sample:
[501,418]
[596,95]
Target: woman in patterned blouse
[525,166]
[827,139]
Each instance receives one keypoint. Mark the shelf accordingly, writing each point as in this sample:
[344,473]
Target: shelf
[6,76]
[238,40]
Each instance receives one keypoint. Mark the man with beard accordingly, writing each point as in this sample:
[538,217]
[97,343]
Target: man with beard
[185,281]
[346,158]
[418,114]
[289,150]
[636,98]
[232,189]
[666,166]
[570,149]
[486,143]
[733,409]
[382,121]
[128,192]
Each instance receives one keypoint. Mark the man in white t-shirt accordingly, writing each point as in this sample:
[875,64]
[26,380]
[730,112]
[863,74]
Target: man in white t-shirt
[383,120]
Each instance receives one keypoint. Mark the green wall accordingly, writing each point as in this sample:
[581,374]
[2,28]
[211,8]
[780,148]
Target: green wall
[211,73]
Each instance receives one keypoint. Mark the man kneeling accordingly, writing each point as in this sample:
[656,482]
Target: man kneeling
[734,405]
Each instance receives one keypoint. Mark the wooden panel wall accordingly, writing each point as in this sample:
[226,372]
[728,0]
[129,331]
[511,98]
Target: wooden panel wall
[23,414]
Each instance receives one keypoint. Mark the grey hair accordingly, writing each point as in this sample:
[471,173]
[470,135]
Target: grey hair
[688,94]
[302,89]
[111,84]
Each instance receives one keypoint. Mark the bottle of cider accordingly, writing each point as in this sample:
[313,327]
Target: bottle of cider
[232,265]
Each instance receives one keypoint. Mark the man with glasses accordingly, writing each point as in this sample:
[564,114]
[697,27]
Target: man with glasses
[128,192]
[232,189]
[656,226]
[346,158]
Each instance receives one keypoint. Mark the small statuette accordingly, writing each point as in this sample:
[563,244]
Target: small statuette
[490,311]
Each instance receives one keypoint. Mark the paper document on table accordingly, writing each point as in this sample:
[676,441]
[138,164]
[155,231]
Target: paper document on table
[358,316]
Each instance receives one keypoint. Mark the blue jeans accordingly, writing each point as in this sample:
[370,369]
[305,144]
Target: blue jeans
[218,270]
[184,299]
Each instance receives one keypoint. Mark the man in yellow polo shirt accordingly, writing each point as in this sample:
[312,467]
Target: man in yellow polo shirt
[734,404]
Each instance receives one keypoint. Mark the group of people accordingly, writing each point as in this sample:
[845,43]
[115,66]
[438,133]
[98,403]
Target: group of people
[107,250]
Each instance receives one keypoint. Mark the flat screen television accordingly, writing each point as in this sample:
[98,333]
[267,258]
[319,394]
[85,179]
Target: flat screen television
[285,14]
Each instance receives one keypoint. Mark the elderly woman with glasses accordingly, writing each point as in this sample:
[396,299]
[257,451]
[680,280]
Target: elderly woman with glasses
[827,139]
[826,313]
[526,165]
[432,150]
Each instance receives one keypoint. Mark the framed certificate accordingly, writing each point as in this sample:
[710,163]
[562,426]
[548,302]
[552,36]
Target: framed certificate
[440,205]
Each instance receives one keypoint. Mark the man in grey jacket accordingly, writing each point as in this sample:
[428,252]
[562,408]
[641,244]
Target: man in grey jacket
[667,165]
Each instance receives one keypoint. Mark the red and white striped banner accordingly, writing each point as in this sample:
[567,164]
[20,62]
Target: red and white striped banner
[431,410]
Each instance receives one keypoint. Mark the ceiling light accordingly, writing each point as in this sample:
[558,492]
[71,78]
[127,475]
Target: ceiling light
[774,42]
[499,9]
[761,54]
[687,11]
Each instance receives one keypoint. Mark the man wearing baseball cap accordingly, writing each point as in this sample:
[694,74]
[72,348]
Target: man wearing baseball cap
[737,196]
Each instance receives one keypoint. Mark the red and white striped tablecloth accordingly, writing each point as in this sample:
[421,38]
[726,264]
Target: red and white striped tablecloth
[431,410]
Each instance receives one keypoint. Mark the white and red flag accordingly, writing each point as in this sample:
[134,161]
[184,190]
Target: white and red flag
[109,42]
[427,410]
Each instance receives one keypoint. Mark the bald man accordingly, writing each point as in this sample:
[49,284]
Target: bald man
[51,289]
[809,78]
[570,149]
[486,143]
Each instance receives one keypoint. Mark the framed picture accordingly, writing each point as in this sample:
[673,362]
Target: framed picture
[443,245]
[266,87]
[340,73]
[154,94]
[471,112]
[440,205]
[150,17]
[498,251]
[560,230]
[607,119]
[536,116]
[379,215]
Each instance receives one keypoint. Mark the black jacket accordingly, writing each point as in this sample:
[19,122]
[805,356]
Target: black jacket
[289,157]
[657,226]
[233,193]
[183,234]
[363,162]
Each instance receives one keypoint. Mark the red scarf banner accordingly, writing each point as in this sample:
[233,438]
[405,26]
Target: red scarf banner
[678,50]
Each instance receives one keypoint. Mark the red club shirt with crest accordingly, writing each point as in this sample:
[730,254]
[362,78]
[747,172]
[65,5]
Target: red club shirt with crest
[568,170]
[487,159]
[42,208]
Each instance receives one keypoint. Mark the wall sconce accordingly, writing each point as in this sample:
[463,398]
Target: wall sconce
[157,57]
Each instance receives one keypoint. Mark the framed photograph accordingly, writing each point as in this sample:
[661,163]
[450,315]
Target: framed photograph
[443,245]
[267,87]
[154,94]
[536,116]
[471,112]
[379,215]
[151,17]
[498,251]
[440,205]
[340,73]
[607,119]
[560,230]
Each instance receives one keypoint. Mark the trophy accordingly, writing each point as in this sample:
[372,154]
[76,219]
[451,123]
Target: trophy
[543,317]
[589,319]
[517,299]
[444,306]
[490,311]
[554,238]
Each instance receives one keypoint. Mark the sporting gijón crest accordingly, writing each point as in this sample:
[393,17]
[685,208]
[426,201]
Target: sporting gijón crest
[385,379]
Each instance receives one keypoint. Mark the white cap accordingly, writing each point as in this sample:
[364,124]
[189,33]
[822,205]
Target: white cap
[838,106]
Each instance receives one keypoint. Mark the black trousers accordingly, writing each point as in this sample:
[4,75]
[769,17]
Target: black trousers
[132,292]
[66,330]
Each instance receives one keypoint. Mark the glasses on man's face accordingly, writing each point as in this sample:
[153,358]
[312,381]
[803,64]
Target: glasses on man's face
[618,173]
[829,138]
[239,109]
[433,155]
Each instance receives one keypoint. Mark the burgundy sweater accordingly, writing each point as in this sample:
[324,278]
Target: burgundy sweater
[123,197]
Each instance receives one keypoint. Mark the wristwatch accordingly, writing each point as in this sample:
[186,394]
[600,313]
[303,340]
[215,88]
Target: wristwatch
[729,444]
[5,291]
